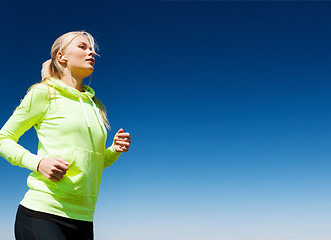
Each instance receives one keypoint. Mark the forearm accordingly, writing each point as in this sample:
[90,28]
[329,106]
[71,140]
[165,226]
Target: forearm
[110,156]
[17,155]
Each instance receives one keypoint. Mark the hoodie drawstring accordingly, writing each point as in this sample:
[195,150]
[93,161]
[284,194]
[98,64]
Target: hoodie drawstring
[84,110]
[95,111]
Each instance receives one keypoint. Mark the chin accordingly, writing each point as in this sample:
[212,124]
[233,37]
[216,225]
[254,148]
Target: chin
[90,70]
[87,73]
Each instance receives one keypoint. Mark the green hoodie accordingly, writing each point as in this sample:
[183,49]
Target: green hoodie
[68,125]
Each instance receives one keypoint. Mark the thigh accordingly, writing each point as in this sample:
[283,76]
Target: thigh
[78,230]
[32,228]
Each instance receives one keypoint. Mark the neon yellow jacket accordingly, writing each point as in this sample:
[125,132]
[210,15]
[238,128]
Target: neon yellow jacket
[68,125]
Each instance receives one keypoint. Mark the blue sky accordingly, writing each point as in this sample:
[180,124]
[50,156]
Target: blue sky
[227,103]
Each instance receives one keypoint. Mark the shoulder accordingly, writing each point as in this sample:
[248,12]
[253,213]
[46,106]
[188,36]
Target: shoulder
[40,91]
[37,96]
[39,88]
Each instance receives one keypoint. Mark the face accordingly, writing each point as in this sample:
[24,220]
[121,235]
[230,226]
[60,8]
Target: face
[80,56]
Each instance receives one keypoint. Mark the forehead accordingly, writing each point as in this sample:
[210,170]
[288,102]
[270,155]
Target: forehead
[81,39]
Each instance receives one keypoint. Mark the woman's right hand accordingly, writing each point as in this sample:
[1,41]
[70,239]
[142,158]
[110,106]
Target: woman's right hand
[53,168]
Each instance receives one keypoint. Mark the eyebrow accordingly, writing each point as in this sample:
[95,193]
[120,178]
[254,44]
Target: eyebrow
[82,43]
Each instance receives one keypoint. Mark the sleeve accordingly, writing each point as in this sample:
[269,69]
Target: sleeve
[110,156]
[27,114]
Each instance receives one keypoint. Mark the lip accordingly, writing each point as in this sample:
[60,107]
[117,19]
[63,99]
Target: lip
[91,60]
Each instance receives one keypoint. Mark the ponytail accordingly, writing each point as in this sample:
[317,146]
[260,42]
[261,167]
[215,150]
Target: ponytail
[46,69]
[51,68]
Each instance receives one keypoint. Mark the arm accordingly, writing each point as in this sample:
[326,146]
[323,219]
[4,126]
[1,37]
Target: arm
[28,113]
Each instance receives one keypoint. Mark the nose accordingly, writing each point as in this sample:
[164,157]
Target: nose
[91,53]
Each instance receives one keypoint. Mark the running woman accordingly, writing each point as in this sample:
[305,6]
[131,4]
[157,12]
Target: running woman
[71,124]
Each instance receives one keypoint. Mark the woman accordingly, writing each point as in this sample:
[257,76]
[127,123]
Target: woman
[70,123]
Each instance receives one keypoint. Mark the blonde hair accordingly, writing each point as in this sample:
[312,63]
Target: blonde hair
[52,67]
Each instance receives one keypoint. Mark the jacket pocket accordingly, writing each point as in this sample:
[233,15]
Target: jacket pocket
[83,177]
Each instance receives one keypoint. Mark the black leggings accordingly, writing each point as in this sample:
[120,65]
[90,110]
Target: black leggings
[32,225]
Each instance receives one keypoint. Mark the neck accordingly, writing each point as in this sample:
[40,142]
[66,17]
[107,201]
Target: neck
[73,80]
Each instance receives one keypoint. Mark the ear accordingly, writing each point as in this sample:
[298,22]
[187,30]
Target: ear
[60,57]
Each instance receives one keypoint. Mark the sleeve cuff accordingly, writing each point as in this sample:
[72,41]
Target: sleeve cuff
[111,155]
[31,161]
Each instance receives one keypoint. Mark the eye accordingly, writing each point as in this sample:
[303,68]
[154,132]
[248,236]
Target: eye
[81,46]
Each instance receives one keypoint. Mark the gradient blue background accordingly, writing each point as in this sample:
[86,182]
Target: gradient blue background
[228,105]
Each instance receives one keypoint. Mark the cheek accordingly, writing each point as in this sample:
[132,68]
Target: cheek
[77,55]
[77,60]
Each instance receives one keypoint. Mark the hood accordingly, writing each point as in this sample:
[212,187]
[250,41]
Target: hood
[88,92]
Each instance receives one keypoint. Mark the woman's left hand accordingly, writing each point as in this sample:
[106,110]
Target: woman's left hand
[122,141]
